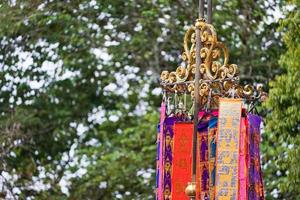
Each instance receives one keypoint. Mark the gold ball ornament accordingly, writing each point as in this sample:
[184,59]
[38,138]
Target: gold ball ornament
[190,190]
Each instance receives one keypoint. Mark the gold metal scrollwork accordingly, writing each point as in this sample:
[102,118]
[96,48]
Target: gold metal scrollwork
[218,77]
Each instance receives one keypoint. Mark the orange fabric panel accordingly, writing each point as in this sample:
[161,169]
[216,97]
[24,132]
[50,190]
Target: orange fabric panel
[182,159]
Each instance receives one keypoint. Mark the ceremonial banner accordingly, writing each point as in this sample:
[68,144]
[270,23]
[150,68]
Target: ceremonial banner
[256,190]
[168,156]
[227,163]
[202,170]
[182,159]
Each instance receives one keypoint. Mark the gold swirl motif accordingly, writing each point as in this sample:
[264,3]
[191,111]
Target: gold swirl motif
[202,68]
[217,75]
[180,88]
[193,69]
[188,37]
[184,56]
[227,85]
[172,77]
[239,91]
[191,87]
[204,53]
[181,74]
[203,89]
[215,66]
[216,53]
[164,76]
[193,38]
[232,70]
[204,36]
[248,90]
[193,55]
[222,73]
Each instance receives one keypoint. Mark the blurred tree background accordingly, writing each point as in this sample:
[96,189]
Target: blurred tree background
[79,92]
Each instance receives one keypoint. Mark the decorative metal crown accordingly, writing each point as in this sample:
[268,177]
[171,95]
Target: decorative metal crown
[218,78]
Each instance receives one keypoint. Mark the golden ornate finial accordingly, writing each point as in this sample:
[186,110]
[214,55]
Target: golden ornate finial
[218,77]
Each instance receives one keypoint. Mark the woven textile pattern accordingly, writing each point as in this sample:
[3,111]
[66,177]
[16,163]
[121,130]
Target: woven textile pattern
[227,163]
[228,157]
[202,172]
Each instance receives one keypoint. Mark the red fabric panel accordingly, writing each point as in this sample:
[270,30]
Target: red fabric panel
[182,159]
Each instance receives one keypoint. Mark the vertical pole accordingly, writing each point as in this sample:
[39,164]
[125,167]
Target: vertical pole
[196,103]
[201,9]
[209,12]
[191,188]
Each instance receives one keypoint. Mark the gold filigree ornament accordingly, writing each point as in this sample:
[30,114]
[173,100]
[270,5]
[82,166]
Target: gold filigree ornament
[218,78]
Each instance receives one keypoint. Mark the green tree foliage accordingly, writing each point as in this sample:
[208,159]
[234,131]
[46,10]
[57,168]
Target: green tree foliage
[283,128]
[78,110]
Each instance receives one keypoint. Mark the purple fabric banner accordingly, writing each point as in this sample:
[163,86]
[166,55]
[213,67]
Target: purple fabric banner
[202,173]
[165,156]
[212,133]
[256,190]
[168,154]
